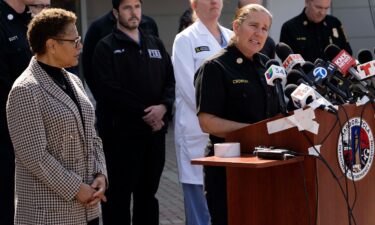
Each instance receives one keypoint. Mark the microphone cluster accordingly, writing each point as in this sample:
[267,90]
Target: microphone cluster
[336,79]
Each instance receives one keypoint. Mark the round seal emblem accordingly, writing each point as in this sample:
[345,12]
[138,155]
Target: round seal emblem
[356,148]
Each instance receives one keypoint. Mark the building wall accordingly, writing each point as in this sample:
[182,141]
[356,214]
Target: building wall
[355,16]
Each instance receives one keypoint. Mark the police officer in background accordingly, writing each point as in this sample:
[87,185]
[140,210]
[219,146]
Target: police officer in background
[15,56]
[134,100]
[269,46]
[313,30]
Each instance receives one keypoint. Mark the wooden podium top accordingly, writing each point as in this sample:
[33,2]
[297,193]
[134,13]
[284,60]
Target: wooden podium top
[247,161]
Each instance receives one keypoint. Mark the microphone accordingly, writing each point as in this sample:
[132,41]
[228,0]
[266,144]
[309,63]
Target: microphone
[345,62]
[364,55]
[304,95]
[288,90]
[307,67]
[367,67]
[276,76]
[291,61]
[342,60]
[322,73]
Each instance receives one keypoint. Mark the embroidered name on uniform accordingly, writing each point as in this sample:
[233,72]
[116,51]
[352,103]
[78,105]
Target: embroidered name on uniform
[301,38]
[240,81]
[118,51]
[202,49]
[13,38]
[154,53]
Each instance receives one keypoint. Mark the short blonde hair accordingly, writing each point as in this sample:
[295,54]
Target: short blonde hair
[244,12]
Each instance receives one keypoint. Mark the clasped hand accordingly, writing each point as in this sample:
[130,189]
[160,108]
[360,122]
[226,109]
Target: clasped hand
[154,117]
[90,195]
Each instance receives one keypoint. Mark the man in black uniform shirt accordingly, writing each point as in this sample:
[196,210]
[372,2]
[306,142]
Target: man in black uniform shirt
[313,30]
[269,46]
[98,30]
[14,58]
[135,95]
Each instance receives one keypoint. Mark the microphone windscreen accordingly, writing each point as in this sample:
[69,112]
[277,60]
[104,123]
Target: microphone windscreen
[294,77]
[272,62]
[307,67]
[364,56]
[288,90]
[331,51]
[283,51]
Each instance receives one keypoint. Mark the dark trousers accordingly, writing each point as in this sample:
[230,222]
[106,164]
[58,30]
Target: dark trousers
[134,164]
[6,180]
[216,193]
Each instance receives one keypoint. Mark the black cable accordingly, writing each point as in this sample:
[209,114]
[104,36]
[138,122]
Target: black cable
[350,211]
[322,159]
[316,168]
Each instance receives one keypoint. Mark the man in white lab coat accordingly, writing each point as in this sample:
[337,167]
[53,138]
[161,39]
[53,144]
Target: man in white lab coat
[203,39]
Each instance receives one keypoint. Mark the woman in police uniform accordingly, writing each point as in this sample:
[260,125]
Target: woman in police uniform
[232,93]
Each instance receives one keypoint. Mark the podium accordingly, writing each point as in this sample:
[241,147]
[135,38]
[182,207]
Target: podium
[301,190]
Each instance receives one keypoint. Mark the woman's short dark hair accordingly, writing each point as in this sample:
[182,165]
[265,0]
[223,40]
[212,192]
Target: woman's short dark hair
[47,24]
[116,3]
[186,20]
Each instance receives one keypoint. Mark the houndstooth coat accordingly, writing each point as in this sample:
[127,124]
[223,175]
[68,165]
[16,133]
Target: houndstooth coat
[54,151]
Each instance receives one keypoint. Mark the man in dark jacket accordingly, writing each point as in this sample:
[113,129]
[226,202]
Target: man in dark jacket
[14,58]
[98,30]
[134,98]
[313,30]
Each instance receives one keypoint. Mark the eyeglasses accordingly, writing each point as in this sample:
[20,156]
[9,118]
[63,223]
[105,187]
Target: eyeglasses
[76,41]
[40,6]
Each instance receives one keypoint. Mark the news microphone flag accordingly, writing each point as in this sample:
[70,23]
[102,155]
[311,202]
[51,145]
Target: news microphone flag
[366,70]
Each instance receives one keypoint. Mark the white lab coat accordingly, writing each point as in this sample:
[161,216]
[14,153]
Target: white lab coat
[190,141]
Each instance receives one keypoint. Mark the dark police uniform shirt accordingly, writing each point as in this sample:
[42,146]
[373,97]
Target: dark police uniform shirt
[15,53]
[310,39]
[233,87]
[132,77]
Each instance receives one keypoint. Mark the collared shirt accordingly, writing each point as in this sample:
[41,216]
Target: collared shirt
[233,87]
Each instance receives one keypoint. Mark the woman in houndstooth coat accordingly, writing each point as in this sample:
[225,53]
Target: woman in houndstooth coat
[60,165]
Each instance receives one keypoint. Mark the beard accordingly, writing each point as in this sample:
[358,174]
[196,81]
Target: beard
[129,24]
